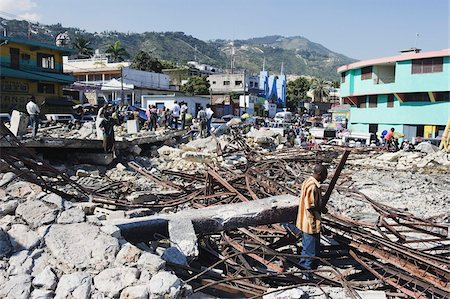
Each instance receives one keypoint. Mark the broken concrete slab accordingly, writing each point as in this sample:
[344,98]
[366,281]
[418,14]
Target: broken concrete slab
[9,207]
[175,256]
[128,255]
[67,243]
[150,262]
[72,215]
[164,285]
[45,280]
[111,281]
[19,123]
[75,285]
[22,237]
[182,233]
[16,287]
[5,245]
[37,213]
[136,292]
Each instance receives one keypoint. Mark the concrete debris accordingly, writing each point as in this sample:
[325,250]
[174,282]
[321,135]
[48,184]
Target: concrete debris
[7,178]
[17,287]
[175,256]
[37,213]
[67,243]
[136,292]
[9,207]
[20,263]
[164,285]
[5,245]
[42,294]
[128,255]
[182,233]
[426,147]
[150,262]
[76,285]
[72,215]
[283,293]
[111,281]
[45,280]
[23,190]
[22,237]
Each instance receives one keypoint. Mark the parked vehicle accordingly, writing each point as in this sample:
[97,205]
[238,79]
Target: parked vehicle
[60,118]
[283,117]
[5,117]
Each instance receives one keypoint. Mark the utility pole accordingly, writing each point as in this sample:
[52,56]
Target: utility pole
[245,100]
[121,86]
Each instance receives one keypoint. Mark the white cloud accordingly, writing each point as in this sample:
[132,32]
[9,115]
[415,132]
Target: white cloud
[20,9]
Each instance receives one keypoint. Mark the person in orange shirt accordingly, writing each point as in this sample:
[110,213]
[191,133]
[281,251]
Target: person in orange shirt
[309,217]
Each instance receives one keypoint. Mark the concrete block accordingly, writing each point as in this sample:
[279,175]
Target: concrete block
[19,123]
[132,126]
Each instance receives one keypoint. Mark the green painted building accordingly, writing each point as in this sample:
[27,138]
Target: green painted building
[409,92]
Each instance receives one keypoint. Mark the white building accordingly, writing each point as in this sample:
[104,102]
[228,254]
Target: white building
[226,83]
[168,101]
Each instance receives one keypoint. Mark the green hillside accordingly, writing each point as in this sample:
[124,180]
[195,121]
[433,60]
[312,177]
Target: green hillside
[299,55]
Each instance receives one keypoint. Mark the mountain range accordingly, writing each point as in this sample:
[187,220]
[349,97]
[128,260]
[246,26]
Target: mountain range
[298,55]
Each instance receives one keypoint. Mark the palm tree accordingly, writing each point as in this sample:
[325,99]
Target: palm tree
[116,52]
[83,47]
[320,89]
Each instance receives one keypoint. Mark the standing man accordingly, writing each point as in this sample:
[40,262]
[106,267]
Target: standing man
[33,110]
[309,217]
[201,115]
[183,111]
[175,114]
[209,116]
[107,125]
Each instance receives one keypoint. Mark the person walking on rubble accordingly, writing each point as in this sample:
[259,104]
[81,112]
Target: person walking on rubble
[309,218]
[107,126]
[202,118]
[33,110]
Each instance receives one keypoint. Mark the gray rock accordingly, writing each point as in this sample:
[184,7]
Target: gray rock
[76,285]
[55,199]
[111,281]
[112,231]
[81,245]
[20,263]
[22,237]
[16,287]
[7,221]
[40,261]
[42,294]
[140,197]
[128,255]
[5,245]
[73,215]
[164,285]
[7,178]
[150,262]
[182,233]
[136,292]
[37,213]
[175,256]
[23,190]
[45,280]
[9,207]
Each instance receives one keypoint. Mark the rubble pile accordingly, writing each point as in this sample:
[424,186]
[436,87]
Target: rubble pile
[54,248]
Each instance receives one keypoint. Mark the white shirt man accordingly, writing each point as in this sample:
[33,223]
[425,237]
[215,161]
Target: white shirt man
[176,110]
[183,109]
[33,108]
[209,113]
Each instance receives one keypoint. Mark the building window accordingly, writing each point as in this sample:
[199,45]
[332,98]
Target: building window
[251,84]
[427,65]
[81,78]
[361,102]
[226,82]
[25,58]
[343,77]
[372,101]
[390,101]
[46,88]
[214,82]
[46,61]
[256,84]
[98,77]
[107,77]
[238,83]
[366,73]
[90,78]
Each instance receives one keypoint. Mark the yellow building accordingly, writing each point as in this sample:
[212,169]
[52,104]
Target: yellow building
[28,68]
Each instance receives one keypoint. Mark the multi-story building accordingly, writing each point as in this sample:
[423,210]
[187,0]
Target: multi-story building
[233,83]
[29,68]
[409,92]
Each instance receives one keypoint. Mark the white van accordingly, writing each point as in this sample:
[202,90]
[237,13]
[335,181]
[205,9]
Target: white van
[60,118]
[283,117]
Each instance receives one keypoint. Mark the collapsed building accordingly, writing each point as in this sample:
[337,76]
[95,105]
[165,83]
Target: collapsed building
[213,218]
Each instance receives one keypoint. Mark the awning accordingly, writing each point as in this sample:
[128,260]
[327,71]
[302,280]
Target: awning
[36,76]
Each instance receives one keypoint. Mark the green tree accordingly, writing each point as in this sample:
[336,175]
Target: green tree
[145,62]
[83,47]
[116,52]
[320,89]
[196,85]
[296,90]
[336,84]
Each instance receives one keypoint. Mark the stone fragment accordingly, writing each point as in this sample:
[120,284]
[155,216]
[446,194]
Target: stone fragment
[75,285]
[37,213]
[111,230]
[72,215]
[8,208]
[16,287]
[87,207]
[22,237]
[82,173]
[55,199]
[109,214]
[120,167]
[164,285]
[23,190]
[182,233]
[151,262]
[136,292]
[140,197]
[111,281]
[19,123]
[128,255]
[20,263]
[175,256]
[81,245]
[42,294]
[5,245]
[7,178]
[7,221]
[45,280]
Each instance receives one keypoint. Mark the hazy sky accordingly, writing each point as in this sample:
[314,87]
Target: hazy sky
[360,29]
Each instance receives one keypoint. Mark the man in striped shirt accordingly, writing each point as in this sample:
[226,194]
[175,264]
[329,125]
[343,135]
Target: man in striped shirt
[308,218]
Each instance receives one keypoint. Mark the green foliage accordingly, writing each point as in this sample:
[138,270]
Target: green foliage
[296,90]
[320,89]
[145,62]
[196,85]
[336,84]
[117,52]
[82,45]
